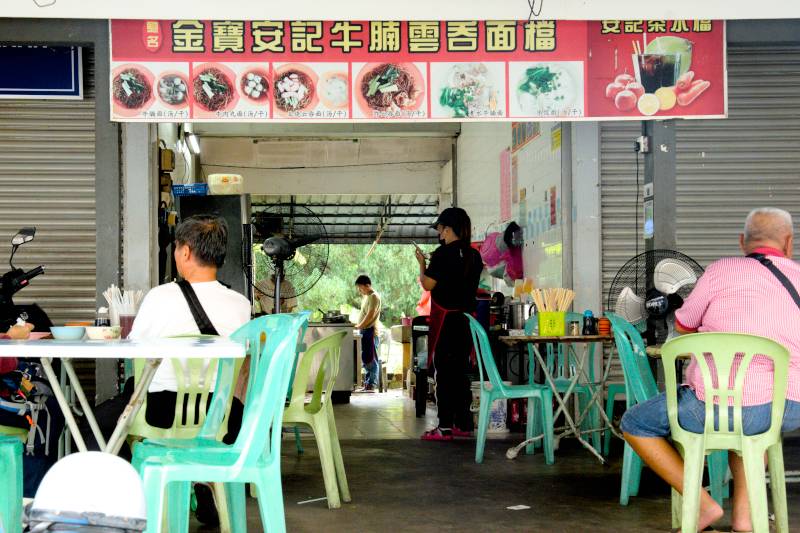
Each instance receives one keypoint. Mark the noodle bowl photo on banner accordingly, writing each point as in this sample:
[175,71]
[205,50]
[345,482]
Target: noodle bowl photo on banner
[131,89]
[546,89]
[253,85]
[172,90]
[468,90]
[390,90]
[311,90]
[213,89]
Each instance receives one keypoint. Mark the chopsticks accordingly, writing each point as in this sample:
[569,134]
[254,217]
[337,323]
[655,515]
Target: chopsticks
[552,300]
[636,48]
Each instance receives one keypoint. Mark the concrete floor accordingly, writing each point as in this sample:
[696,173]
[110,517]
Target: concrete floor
[400,483]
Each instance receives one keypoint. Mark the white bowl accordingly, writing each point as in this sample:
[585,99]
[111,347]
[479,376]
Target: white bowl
[103,333]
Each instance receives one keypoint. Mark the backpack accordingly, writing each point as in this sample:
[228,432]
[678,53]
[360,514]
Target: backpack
[24,392]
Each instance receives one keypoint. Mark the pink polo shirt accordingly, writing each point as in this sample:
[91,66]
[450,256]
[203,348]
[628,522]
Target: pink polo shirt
[740,295]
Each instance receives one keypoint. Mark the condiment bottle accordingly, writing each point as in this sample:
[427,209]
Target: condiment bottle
[589,327]
[102,320]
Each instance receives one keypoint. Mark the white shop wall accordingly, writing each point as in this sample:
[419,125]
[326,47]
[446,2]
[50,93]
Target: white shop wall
[478,173]
[538,189]
[537,205]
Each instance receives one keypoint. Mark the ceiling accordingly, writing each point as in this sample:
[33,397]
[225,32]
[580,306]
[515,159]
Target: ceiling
[297,153]
[256,130]
[357,178]
[350,219]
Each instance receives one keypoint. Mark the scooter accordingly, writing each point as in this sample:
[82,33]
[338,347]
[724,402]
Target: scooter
[15,280]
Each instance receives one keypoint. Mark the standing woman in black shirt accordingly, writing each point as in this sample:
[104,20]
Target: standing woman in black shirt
[452,277]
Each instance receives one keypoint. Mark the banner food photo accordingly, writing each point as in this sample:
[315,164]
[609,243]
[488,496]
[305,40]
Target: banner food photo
[252,71]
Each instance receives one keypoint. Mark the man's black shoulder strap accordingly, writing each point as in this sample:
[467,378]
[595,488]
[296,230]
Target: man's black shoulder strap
[764,260]
[200,317]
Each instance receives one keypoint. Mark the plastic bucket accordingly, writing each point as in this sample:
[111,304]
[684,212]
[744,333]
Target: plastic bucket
[498,412]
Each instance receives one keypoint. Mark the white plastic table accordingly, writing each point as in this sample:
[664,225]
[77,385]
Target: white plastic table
[154,350]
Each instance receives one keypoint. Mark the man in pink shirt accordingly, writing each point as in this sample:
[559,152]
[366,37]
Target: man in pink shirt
[742,295]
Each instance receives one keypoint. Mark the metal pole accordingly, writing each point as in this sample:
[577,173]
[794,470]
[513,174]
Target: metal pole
[278,281]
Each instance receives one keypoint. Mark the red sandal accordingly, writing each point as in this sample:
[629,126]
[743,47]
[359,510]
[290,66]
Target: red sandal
[461,433]
[438,434]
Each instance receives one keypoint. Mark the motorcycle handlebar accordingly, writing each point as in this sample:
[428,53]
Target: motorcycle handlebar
[29,275]
[13,281]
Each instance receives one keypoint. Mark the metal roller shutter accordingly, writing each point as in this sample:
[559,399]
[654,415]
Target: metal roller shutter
[751,159]
[621,207]
[47,180]
[724,167]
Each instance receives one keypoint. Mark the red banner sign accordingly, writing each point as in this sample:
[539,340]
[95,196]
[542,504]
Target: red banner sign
[252,71]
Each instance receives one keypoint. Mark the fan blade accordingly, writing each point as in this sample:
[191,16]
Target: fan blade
[302,241]
[300,259]
[670,275]
[629,306]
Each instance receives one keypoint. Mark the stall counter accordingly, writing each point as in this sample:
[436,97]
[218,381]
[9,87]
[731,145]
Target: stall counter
[346,379]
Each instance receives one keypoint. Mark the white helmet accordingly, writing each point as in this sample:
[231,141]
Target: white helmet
[97,490]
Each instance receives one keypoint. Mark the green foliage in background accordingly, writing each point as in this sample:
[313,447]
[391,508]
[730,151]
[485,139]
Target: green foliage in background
[392,268]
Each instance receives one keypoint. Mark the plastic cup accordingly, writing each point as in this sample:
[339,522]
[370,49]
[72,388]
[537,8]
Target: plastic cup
[126,323]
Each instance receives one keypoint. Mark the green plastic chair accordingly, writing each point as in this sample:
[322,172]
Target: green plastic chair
[533,392]
[11,431]
[318,413]
[10,484]
[640,385]
[301,347]
[723,348]
[194,384]
[193,377]
[554,357]
[171,465]
[613,390]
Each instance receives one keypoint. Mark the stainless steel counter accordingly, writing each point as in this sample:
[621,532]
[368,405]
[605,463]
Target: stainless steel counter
[346,379]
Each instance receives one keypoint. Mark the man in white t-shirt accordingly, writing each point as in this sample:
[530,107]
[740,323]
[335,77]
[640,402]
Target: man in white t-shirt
[367,324]
[200,245]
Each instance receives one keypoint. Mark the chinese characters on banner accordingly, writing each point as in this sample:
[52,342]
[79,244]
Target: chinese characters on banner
[262,70]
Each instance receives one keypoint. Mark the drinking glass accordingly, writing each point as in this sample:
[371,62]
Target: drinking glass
[126,323]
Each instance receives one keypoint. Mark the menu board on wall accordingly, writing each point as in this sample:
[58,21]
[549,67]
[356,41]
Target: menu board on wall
[253,71]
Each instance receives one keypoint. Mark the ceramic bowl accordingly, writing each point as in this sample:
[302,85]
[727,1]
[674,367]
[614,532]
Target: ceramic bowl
[68,333]
[103,333]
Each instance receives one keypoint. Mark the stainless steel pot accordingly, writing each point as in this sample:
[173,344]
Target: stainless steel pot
[518,313]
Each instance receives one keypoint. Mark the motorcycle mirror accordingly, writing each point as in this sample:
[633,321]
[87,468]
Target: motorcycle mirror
[23,235]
